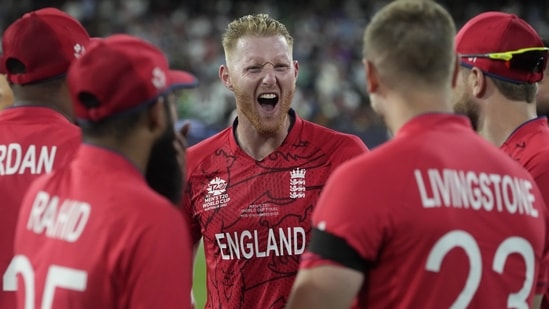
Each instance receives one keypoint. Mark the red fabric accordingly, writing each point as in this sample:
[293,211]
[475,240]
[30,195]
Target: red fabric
[46,41]
[395,204]
[491,32]
[122,72]
[255,216]
[33,141]
[133,245]
[529,146]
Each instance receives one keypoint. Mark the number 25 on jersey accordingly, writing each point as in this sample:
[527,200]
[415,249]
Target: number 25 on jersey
[57,277]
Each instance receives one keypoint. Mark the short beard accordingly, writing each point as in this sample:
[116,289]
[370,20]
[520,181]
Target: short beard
[465,106]
[164,174]
[252,114]
[542,109]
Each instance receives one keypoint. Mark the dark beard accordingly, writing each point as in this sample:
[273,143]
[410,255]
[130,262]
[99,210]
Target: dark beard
[542,110]
[163,173]
[467,108]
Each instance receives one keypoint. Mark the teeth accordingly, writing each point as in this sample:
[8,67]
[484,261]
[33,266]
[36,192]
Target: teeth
[267,96]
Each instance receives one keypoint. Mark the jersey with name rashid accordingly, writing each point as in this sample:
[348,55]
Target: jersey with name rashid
[435,218]
[95,235]
[254,216]
[33,141]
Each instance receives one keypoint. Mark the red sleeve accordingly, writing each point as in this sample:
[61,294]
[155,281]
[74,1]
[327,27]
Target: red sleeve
[350,147]
[312,260]
[543,274]
[350,207]
[188,213]
[159,274]
[539,169]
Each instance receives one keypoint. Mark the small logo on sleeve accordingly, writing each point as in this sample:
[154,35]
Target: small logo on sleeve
[297,183]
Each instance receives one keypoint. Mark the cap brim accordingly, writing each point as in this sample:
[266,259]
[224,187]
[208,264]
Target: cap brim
[182,80]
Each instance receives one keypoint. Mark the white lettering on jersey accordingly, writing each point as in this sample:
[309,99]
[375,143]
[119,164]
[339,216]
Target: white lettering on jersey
[476,191]
[15,159]
[246,245]
[64,220]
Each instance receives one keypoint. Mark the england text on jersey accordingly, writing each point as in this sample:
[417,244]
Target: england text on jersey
[247,244]
[64,220]
[475,190]
[16,159]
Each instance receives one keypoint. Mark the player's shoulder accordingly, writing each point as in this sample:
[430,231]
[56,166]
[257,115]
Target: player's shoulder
[136,202]
[326,137]
[206,147]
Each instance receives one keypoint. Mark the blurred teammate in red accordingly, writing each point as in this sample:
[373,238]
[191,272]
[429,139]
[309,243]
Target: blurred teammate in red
[252,187]
[542,97]
[503,59]
[94,234]
[436,217]
[37,134]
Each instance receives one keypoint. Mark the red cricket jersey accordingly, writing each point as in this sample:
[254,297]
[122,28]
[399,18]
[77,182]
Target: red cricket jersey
[437,217]
[94,235]
[33,141]
[254,216]
[529,145]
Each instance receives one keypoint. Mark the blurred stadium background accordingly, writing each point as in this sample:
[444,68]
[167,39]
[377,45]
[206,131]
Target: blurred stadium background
[327,36]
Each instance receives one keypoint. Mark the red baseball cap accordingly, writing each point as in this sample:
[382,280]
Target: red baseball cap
[492,32]
[121,73]
[45,42]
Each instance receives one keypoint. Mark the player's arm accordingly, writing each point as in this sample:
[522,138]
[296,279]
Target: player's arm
[331,274]
[536,304]
[159,271]
[195,252]
[327,286]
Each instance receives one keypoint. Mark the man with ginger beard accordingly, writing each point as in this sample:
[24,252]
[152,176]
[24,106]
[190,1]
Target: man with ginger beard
[252,187]
[96,228]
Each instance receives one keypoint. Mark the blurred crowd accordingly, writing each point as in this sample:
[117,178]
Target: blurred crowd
[327,45]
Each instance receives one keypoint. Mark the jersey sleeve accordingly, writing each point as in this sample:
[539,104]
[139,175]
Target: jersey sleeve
[539,169]
[348,218]
[543,273]
[159,272]
[188,214]
[350,147]
[540,173]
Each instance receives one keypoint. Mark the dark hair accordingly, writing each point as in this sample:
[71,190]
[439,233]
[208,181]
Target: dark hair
[517,92]
[119,127]
[14,66]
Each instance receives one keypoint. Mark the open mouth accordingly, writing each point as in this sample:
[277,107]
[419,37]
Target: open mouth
[268,101]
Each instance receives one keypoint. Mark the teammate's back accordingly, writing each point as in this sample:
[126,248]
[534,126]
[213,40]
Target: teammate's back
[99,221]
[102,232]
[37,135]
[462,220]
[436,217]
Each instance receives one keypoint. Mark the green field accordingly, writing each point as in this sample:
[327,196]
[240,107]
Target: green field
[199,282]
